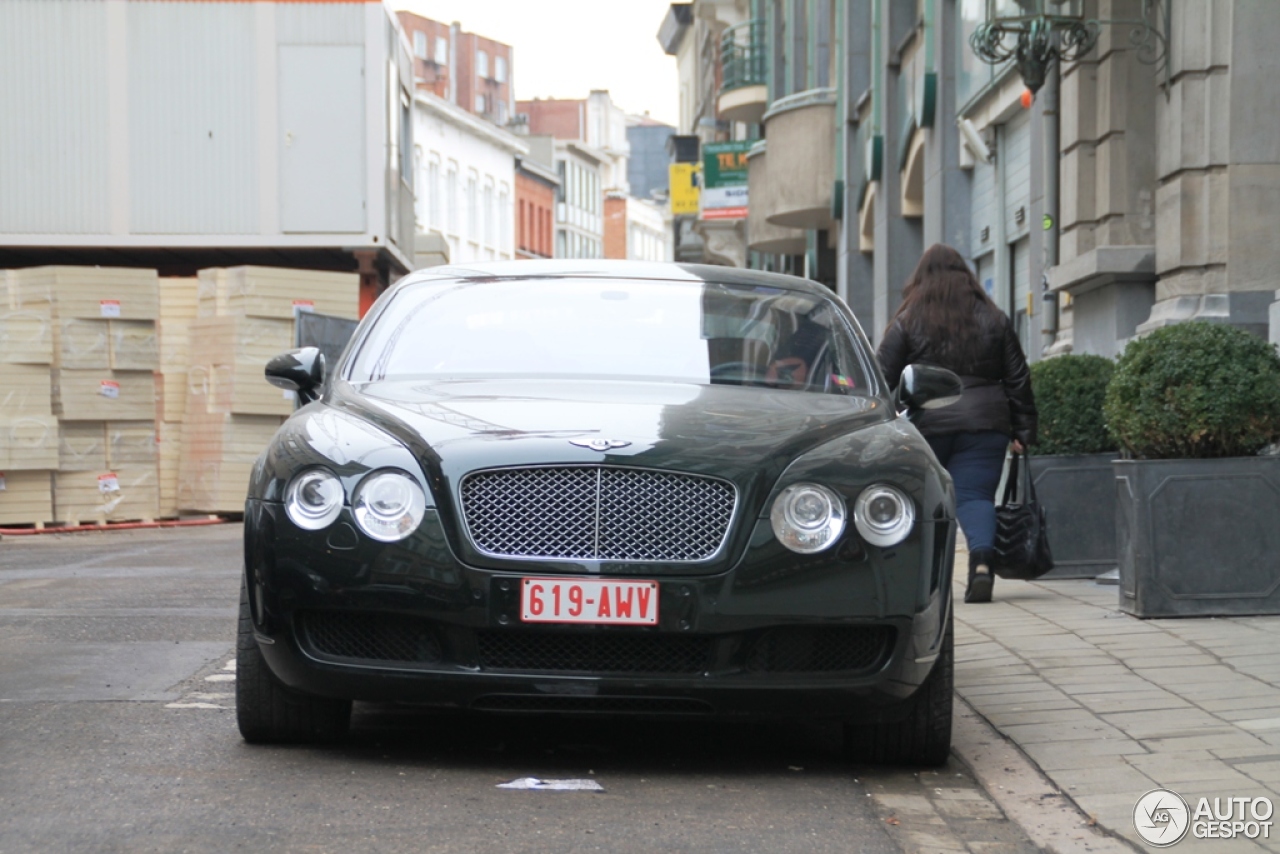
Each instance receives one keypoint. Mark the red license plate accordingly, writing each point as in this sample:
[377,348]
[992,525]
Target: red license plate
[584,600]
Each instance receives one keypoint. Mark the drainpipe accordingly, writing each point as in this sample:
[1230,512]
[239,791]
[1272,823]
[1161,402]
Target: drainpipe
[1052,105]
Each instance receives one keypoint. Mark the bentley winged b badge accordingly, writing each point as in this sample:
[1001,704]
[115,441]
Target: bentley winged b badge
[599,444]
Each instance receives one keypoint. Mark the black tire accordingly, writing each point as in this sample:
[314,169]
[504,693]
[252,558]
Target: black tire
[923,737]
[268,711]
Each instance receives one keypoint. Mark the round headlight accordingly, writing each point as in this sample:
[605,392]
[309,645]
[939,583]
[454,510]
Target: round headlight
[314,499]
[807,518]
[883,515]
[388,506]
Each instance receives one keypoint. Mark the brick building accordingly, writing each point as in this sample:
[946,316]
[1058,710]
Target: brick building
[465,69]
[536,187]
[636,229]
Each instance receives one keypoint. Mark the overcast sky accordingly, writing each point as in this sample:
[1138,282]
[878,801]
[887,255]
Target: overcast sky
[566,48]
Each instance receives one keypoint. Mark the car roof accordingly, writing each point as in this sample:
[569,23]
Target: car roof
[602,268]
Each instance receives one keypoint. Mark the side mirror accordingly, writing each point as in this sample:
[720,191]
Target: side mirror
[298,370]
[928,387]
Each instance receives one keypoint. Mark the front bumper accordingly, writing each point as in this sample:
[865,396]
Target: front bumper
[848,636]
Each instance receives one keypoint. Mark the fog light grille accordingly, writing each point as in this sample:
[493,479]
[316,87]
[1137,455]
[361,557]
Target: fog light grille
[370,637]
[820,650]
[592,705]
[603,653]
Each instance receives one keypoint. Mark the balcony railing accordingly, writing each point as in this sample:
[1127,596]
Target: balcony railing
[742,56]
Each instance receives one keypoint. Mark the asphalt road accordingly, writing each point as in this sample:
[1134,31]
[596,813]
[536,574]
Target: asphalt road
[117,734]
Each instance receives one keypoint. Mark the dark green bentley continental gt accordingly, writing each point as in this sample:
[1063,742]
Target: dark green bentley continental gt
[602,488]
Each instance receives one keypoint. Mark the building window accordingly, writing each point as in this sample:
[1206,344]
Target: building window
[480,103]
[473,209]
[560,245]
[433,193]
[520,227]
[420,44]
[500,69]
[482,64]
[451,196]
[489,215]
[442,50]
[504,219]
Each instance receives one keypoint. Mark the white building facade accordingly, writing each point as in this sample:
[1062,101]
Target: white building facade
[464,170]
[580,206]
[606,131]
[648,231]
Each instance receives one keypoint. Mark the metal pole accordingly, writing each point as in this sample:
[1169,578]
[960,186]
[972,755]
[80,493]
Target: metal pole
[1052,159]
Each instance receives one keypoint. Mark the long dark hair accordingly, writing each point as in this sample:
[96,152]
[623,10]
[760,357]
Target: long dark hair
[943,303]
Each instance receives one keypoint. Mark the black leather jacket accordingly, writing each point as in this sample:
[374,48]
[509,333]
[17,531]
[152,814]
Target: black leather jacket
[997,385]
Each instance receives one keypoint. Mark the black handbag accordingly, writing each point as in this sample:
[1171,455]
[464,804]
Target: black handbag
[1022,530]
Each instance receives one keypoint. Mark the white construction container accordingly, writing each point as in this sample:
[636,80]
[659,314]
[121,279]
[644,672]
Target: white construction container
[179,135]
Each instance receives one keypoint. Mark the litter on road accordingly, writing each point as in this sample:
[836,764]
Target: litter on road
[553,785]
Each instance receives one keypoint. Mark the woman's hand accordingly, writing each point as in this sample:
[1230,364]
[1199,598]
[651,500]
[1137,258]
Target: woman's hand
[1018,447]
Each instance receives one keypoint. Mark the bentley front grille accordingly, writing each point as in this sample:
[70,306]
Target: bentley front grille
[597,513]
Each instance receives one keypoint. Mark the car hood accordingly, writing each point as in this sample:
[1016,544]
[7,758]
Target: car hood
[728,431]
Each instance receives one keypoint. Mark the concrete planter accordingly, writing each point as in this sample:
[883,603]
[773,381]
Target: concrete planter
[1077,493]
[1198,538]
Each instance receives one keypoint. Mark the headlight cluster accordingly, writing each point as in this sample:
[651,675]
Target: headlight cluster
[808,518]
[883,515]
[388,505]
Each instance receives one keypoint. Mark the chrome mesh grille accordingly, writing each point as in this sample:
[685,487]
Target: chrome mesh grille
[597,513]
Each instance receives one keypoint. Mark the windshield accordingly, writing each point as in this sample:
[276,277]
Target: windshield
[573,328]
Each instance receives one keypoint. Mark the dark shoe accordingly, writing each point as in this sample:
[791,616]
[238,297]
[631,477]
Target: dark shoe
[980,578]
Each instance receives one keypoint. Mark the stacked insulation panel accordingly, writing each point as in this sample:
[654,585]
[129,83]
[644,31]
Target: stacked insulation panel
[244,316]
[173,336]
[99,361]
[28,428]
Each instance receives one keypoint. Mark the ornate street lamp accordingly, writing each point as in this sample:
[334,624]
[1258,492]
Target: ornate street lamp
[1033,33]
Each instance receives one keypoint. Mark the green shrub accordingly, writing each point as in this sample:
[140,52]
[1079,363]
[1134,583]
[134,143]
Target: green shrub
[1195,390]
[1069,393]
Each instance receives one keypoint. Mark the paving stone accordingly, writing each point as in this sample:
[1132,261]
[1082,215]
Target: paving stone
[1123,702]
[1034,706]
[1206,741]
[1240,756]
[1166,723]
[1015,687]
[1241,706]
[1103,781]
[905,804]
[1053,733]
[1100,753]
[1259,724]
[1263,772]
[1042,716]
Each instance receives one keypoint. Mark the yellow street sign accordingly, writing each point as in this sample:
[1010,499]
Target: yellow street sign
[685,188]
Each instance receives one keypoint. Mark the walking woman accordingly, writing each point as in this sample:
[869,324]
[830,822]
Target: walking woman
[947,319]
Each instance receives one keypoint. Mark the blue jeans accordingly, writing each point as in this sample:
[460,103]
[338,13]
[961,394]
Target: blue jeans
[974,461]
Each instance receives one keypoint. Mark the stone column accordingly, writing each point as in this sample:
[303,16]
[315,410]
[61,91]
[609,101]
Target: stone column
[1219,166]
[1108,137]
